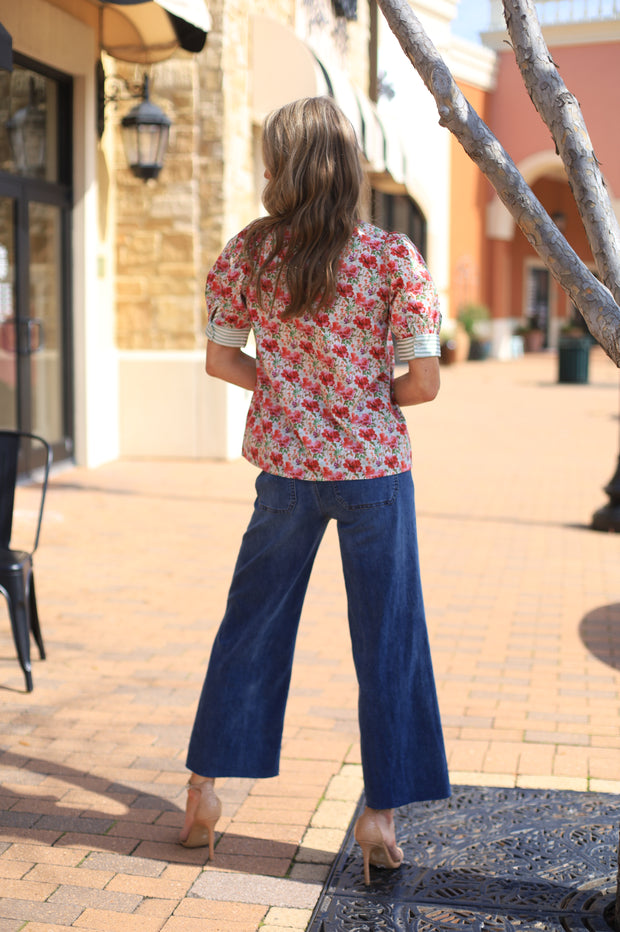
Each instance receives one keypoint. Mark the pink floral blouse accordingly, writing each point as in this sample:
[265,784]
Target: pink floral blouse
[322,407]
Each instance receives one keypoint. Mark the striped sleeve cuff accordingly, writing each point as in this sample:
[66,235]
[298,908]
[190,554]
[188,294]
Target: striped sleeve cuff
[226,336]
[423,344]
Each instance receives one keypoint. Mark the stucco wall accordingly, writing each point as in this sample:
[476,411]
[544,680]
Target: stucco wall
[592,74]
[469,194]
[555,197]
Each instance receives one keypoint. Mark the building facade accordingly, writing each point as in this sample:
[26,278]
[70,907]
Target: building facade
[584,42]
[101,275]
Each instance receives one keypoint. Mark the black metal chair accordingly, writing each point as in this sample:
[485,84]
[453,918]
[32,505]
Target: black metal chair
[16,570]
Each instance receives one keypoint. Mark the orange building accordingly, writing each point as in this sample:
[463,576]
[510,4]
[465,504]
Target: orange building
[584,42]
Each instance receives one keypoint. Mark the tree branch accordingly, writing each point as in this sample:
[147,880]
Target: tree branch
[593,299]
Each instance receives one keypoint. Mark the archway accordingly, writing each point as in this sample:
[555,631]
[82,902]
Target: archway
[522,292]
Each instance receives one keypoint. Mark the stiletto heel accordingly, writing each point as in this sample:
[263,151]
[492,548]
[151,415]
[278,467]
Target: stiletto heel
[366,849]
[205,809]
[375,849]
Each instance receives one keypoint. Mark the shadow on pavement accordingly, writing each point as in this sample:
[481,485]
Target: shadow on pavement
[133,822]
[600,632]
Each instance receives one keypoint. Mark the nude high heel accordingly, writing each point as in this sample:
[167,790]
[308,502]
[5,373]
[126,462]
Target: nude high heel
[374,847]
[204,808]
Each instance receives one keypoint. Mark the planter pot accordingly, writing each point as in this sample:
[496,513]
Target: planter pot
[448,353]
[479,349]
[533,341]
[455,348]
[573,359]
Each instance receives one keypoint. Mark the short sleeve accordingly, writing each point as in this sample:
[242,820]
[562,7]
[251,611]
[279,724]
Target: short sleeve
[415,317]
[229,322]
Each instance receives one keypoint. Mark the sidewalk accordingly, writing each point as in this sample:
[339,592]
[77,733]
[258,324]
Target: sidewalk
[523,604]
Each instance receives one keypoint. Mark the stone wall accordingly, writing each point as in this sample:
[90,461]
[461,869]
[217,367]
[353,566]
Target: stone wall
[156,255]
[169,232]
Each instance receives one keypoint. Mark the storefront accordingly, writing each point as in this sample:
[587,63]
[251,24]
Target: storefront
[58,358]
[101,307]
[36,371]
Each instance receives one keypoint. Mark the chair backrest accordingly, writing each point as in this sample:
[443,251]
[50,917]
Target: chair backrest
[11,450]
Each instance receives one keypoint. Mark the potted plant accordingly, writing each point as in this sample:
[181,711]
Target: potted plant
[475,320]
[533,335]
[454,342]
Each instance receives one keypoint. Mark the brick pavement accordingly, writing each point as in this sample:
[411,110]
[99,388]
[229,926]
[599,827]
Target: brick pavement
[523,603]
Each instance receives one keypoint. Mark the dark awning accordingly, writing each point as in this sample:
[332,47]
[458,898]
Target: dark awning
[6,49]
[147,31]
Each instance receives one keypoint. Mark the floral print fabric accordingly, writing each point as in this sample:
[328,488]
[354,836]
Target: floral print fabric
[322,408]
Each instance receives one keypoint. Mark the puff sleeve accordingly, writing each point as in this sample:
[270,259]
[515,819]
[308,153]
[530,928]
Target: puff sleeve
[415,317]
[229,322]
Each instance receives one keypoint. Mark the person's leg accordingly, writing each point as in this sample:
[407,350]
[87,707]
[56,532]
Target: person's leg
[403,755]
[238,727]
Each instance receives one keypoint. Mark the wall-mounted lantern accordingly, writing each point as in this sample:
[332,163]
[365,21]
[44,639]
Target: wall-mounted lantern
[27,130]
[145,130]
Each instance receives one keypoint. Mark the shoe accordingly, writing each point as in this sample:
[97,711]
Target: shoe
[204,808]
[375,849]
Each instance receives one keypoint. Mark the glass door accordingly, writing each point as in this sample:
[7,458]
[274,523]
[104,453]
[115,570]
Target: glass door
[43,337]
[538,298]
[35,249]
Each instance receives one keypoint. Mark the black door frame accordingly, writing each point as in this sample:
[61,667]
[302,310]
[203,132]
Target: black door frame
[24,191]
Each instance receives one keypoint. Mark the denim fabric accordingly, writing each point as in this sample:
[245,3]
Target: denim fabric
[238,726]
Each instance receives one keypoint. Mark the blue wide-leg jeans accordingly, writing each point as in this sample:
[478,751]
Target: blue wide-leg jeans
[238,727]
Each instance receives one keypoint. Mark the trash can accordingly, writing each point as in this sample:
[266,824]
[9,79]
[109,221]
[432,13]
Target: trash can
[574,359]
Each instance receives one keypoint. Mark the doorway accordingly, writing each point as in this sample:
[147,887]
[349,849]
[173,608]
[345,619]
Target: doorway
[538,297]
[35,248]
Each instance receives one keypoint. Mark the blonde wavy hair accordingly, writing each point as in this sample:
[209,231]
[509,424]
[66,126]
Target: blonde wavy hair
[312,196]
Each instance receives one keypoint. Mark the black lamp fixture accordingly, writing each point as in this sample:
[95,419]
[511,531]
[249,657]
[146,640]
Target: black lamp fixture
[145,130]
[28,135]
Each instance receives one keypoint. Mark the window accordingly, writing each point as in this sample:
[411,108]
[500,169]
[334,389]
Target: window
[397,213]
[345,8]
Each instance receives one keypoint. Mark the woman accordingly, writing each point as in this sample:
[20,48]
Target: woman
[322,292]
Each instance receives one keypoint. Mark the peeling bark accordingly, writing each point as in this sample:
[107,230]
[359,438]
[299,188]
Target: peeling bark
[595,301]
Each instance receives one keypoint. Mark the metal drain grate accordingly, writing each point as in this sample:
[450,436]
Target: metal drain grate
[486,860]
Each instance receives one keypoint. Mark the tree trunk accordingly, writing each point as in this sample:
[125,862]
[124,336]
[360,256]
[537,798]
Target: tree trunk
[594,300]
[617,910]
